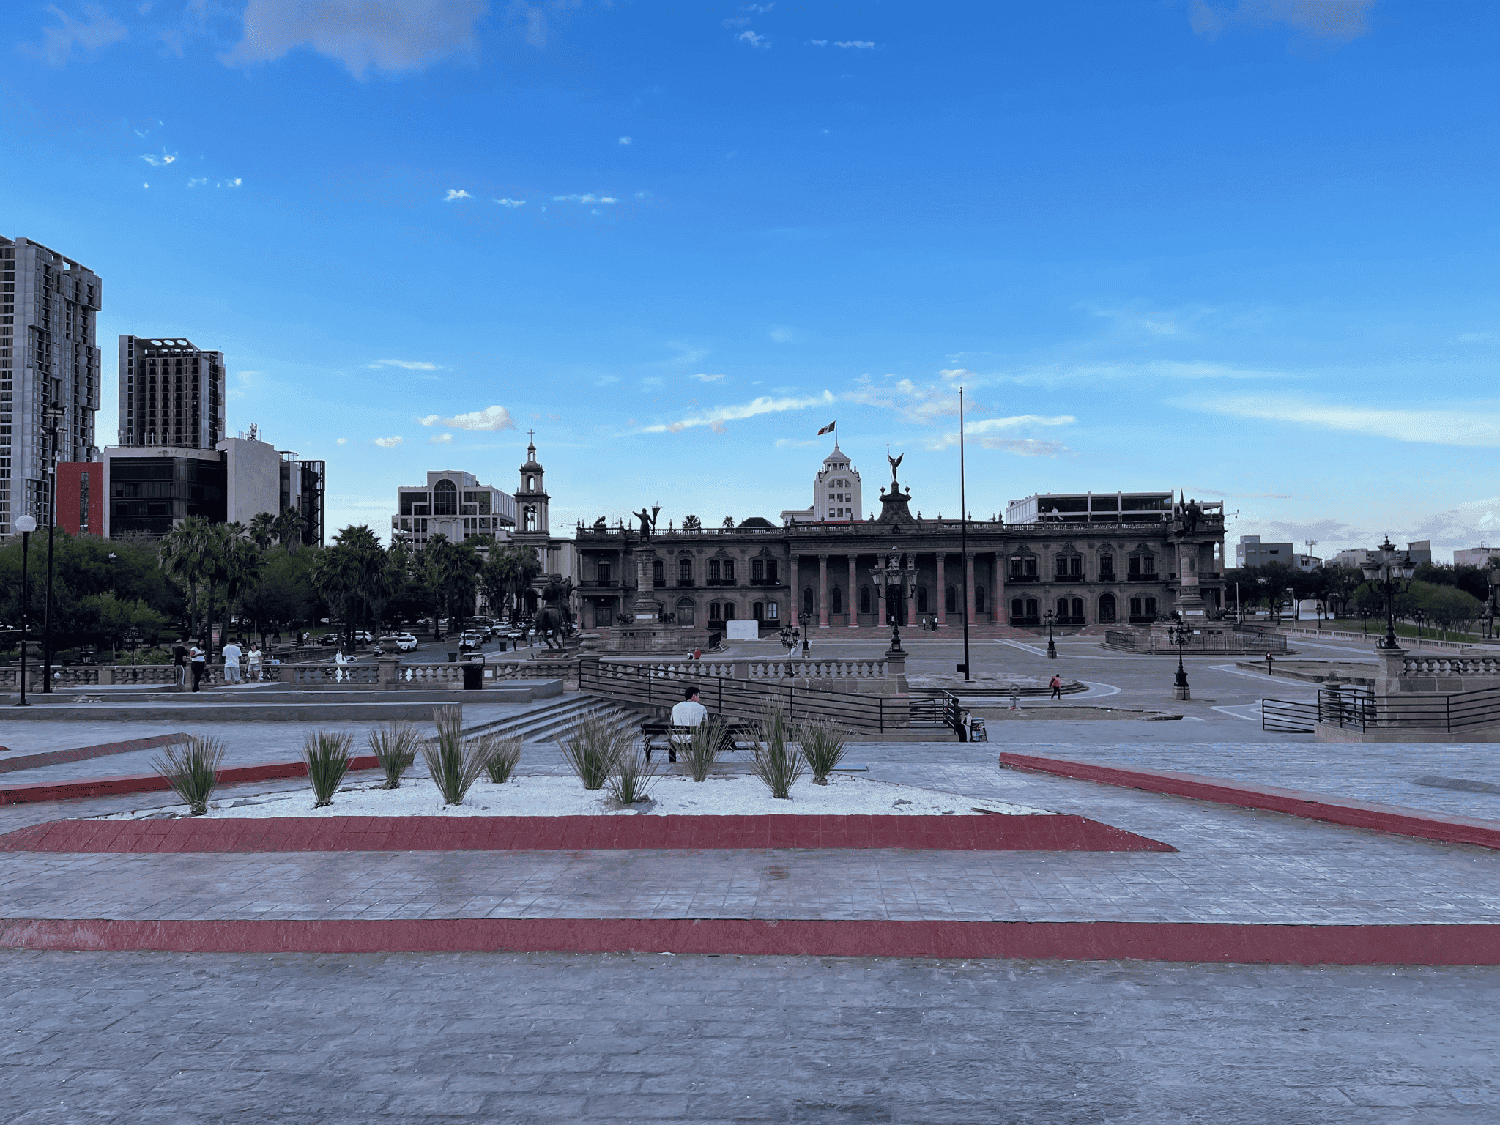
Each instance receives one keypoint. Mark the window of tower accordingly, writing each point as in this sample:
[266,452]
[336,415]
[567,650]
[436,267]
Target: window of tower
[445,498]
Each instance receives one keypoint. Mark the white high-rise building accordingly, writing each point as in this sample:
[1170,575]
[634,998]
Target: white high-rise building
[48,357]
[836,493]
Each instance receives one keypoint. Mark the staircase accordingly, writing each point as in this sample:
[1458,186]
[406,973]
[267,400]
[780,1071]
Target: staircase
[557,720]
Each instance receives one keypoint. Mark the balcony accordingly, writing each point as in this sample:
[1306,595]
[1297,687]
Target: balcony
[720,582]
[684,583]
[1024,578]
[1152,577]
[1024,622]
[1068,578]
[658,582]
[765,582]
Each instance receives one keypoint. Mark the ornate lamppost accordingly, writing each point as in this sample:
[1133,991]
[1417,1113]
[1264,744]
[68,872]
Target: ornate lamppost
[52,416]
[25,525]
[888,571]
[1179,634]
[1049,617]
[1418,616]
[1390,572]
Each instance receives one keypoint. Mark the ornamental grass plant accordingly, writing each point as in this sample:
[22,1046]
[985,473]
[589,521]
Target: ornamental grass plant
[191,769]
[824,744]
[593,747]
[632,776]
[777,763]
[327,756]
[454,762]
[703,748]
[395,748]
[501,756]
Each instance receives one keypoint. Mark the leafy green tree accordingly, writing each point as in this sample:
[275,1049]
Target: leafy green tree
[283,597]
[189,556]
[108,621]
[509,572]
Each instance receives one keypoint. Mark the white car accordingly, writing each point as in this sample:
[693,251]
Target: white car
[401,642]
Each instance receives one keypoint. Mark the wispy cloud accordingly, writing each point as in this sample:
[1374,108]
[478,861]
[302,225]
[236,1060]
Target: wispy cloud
[439,439]
[912,401]
[783,333]
[389,442]
[160,161]
[754,40]
[1025,447]
[388,35]
[456,193]
[1000,433]
[856,44]
[490,418]
[1478,426]
[719,415]
[625,140]
[408,364]
[1323,19]
[709,378]
[584,199]
[343,441]
[98,29]
[511,202]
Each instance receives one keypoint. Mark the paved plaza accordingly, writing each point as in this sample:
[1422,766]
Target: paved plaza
[478,1037]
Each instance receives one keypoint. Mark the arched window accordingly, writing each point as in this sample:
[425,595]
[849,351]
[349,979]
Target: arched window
[836,600]
[713,570]
[758,611]
[1077,613]
[728,570]
[1106,609]
[921,599]
[1031,608]
[530,518]
[1062,608]
[445,498]
[864,599]
[716,611]
[685,572]
[1106,568]
[530,483]
[978,599]
[807,599]
[950,599]
[658,572]
[684,611]
[728,611]
[1017,609]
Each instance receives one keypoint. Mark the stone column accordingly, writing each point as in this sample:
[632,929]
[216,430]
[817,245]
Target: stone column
[822,591]
[1002,604]
[942,593]
[969,573]
[852,596]
[911,600]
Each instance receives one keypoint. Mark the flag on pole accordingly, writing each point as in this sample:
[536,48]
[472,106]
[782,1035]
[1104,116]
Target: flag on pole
[828,429]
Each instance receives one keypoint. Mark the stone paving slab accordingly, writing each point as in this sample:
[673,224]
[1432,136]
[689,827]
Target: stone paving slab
[543,1038]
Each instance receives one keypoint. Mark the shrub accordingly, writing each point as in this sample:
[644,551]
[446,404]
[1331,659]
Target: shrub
[824,743]
[191,769]
[703,749]
[327,756]
[776,763]
[632,776]
[455,764]
[395,748]
[592,749]
[501,756]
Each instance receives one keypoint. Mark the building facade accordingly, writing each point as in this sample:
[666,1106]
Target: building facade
[990,573]
[171,394]
[453,504]
[48,358]
[303,484]
[837,493]
[533,526]
[1250,551]
[150,490]
[1089,507]
[80,497]
[1482,557]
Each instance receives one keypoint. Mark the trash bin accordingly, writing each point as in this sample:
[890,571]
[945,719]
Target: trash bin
[453,658]
[474,674]
[501,643]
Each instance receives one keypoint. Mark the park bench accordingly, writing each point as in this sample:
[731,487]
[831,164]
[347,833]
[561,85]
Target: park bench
[662,729]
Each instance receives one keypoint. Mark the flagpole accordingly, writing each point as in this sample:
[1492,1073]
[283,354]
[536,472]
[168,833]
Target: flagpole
[963,531]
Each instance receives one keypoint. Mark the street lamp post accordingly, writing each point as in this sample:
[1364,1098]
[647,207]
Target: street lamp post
[1390,572]
[888,572]
[1418,616]
[1049,617]
[25,525]
[52,416]
[1179,635]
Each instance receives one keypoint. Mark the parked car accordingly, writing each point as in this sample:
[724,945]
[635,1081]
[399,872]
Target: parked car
[401,642]
[363,638]
[328,639]
[471,641]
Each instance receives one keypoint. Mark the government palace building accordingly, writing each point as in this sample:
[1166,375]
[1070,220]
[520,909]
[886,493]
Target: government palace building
[1089,559]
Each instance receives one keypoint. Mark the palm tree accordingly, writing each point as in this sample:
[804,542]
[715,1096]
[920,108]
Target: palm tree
[263,529]
[352,574]
[183,555]
[288,527]
[509,572]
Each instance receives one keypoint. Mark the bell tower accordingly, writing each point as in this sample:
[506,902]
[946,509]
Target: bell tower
[531,498]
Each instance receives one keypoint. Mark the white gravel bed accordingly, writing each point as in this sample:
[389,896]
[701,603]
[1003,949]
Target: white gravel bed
[737,795]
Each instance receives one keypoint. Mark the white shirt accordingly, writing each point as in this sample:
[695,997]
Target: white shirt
[231,653]
[689,713]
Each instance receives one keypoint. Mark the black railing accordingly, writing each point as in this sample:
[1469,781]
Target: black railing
[1067,578]
[1022,622]
[1024,578]
[1361,709]
[1153,577]
[1288,716]
[648,685]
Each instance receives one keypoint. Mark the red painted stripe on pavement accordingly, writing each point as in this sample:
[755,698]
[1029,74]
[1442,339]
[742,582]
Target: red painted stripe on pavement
[83,753]
[1466,944]
[1294,802]
[115,786]
[1047,832]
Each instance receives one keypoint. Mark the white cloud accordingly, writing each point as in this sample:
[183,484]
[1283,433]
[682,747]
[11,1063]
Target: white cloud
[754,40]
[343,441]
[511,202]
[1478,426]
[1323,19]
[490,418]
[197,181]
[856,44]
[584,199]
[1025,447]
[389,442]
[625,141]
[984,430]
[389,35]
[408,364]
[606,380]
[456,193]
[952,373]
[818,42]
[96,30]
[716,417]
[439,439]
[709,378]
[160,161]
[782,333]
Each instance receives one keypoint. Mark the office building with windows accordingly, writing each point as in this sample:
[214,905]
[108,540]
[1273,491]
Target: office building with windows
[453,504]
[837,493]
[171,394]
[48,359]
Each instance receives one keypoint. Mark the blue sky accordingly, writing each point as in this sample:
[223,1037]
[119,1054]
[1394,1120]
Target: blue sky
[1242,248]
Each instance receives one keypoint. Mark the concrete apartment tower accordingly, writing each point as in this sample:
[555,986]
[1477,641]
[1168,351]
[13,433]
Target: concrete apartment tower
[48,356]
[171,394]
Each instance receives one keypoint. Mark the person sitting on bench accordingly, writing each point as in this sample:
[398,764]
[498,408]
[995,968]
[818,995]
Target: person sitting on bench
[685,715]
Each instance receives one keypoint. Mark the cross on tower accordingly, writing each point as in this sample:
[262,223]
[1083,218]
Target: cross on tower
[532,435]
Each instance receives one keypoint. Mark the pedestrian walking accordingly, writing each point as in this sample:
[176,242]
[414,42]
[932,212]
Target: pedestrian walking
[1056,686]
[232,655]
[254,660]
[1015,696]
[197,664]
[179,663]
